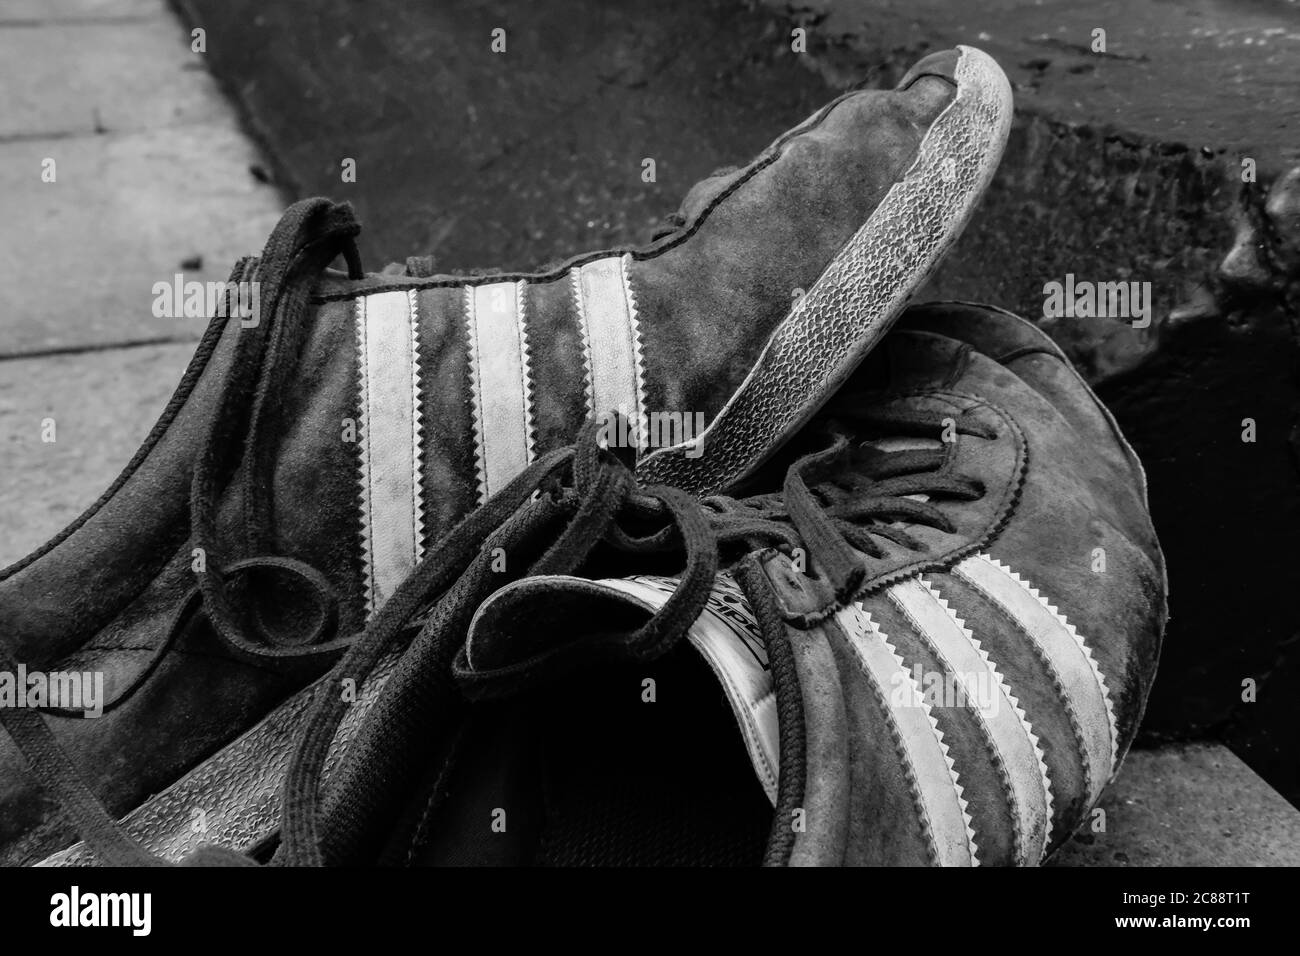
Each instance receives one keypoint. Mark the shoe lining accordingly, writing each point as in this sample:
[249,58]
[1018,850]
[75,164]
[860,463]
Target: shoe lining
[590,773]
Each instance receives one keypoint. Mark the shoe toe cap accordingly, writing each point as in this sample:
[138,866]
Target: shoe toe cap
[942,65]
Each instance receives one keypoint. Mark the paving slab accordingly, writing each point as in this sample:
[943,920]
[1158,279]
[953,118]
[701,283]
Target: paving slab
[64,78]
[102,405]
[1189,805]
[126,211]
[33,11]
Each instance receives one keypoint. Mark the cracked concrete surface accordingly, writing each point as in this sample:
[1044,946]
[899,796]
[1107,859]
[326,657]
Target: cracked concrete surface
[1187,805]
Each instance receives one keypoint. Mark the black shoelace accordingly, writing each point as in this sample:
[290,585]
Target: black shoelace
[837,504]
[310,235]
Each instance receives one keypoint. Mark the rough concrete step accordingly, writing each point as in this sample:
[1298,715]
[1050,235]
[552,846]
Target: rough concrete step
[36,11]
[1189,805]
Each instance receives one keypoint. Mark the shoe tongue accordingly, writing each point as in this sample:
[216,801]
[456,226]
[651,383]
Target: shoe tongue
[727,636]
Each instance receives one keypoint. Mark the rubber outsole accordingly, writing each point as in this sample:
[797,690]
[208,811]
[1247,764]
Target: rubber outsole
[860,294]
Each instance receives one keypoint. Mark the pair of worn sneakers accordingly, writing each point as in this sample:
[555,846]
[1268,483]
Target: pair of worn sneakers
[663,555]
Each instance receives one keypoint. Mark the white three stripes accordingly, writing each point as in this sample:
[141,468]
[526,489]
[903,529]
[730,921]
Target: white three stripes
[500,375]
[1066,656]
[1002,721]
[934,778]
[935,786]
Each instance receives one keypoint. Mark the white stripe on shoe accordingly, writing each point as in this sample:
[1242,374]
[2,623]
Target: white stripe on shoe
[1011,741]
[1064,653]
[390,438]
[611,341]
[500,383]
[918,741]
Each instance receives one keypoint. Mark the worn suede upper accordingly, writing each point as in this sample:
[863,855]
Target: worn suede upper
[1075,552]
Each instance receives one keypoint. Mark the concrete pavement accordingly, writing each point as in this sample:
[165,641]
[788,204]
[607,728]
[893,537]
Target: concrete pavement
[150,177]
